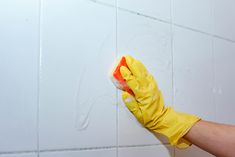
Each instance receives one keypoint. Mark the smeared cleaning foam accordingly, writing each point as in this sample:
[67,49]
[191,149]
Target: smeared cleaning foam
[117,78]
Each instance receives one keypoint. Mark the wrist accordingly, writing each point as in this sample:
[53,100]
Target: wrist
[174,125]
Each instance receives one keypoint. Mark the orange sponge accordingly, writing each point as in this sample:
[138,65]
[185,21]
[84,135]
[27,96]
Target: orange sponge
[117,78]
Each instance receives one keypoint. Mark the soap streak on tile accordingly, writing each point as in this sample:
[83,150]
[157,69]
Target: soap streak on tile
[84,107]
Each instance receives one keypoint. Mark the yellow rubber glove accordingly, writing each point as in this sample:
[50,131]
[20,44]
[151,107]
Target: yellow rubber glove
[148,105]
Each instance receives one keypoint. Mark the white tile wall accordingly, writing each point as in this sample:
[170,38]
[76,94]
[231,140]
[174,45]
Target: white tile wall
[148,40]
[155,8]
[79,42]
[19,155]
[74,75]
[86,153]
[150,151]
[19,49]
[193,73]
[196,14]
[224,70]
[224,18]
[192,152]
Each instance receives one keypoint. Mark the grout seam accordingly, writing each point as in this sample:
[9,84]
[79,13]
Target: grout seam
[143,145]
[144,15]
[172,56]
[39,73]
[81,149]
[18,152]
[116,53]
[214,89]
[76,149]
[172,60]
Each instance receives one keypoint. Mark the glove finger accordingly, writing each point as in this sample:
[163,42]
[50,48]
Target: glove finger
[130,102]
[136,67]
[126,73]
[130,79]
[133,106]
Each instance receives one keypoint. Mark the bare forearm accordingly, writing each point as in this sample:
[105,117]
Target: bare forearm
[217,139]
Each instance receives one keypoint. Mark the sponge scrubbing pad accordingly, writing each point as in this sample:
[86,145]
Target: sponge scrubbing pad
[117,78]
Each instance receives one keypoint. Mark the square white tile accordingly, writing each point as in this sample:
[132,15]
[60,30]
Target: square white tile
[225,76]
[149,41]
[19,52]
[77,99]
[196,14]
[19,155]
[149,151]
[193,151]
[193,73]
[155,8]
[83,153]
[224,16]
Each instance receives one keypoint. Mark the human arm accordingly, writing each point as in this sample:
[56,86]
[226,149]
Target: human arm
[217,139]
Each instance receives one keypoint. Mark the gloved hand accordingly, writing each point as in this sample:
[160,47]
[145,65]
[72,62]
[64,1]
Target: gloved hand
[148,105]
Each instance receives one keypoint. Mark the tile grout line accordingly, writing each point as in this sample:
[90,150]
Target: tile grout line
[102,148]
[77,149]
[222,38]
[81,149]
[192,29]
[116,53]
[19,152]
[165,21]
[172,60]
[214,89]
[144,15]
[143,145]
[39,74]
[172,57]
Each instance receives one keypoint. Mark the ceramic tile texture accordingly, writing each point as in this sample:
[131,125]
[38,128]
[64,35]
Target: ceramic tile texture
[196,14]
[225,75]
[149,41]
[151,151]
[155,8]
[77,99]
[55,58]
[224,18]
[192,152]
[18,67]
[86,153]
[193,73]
